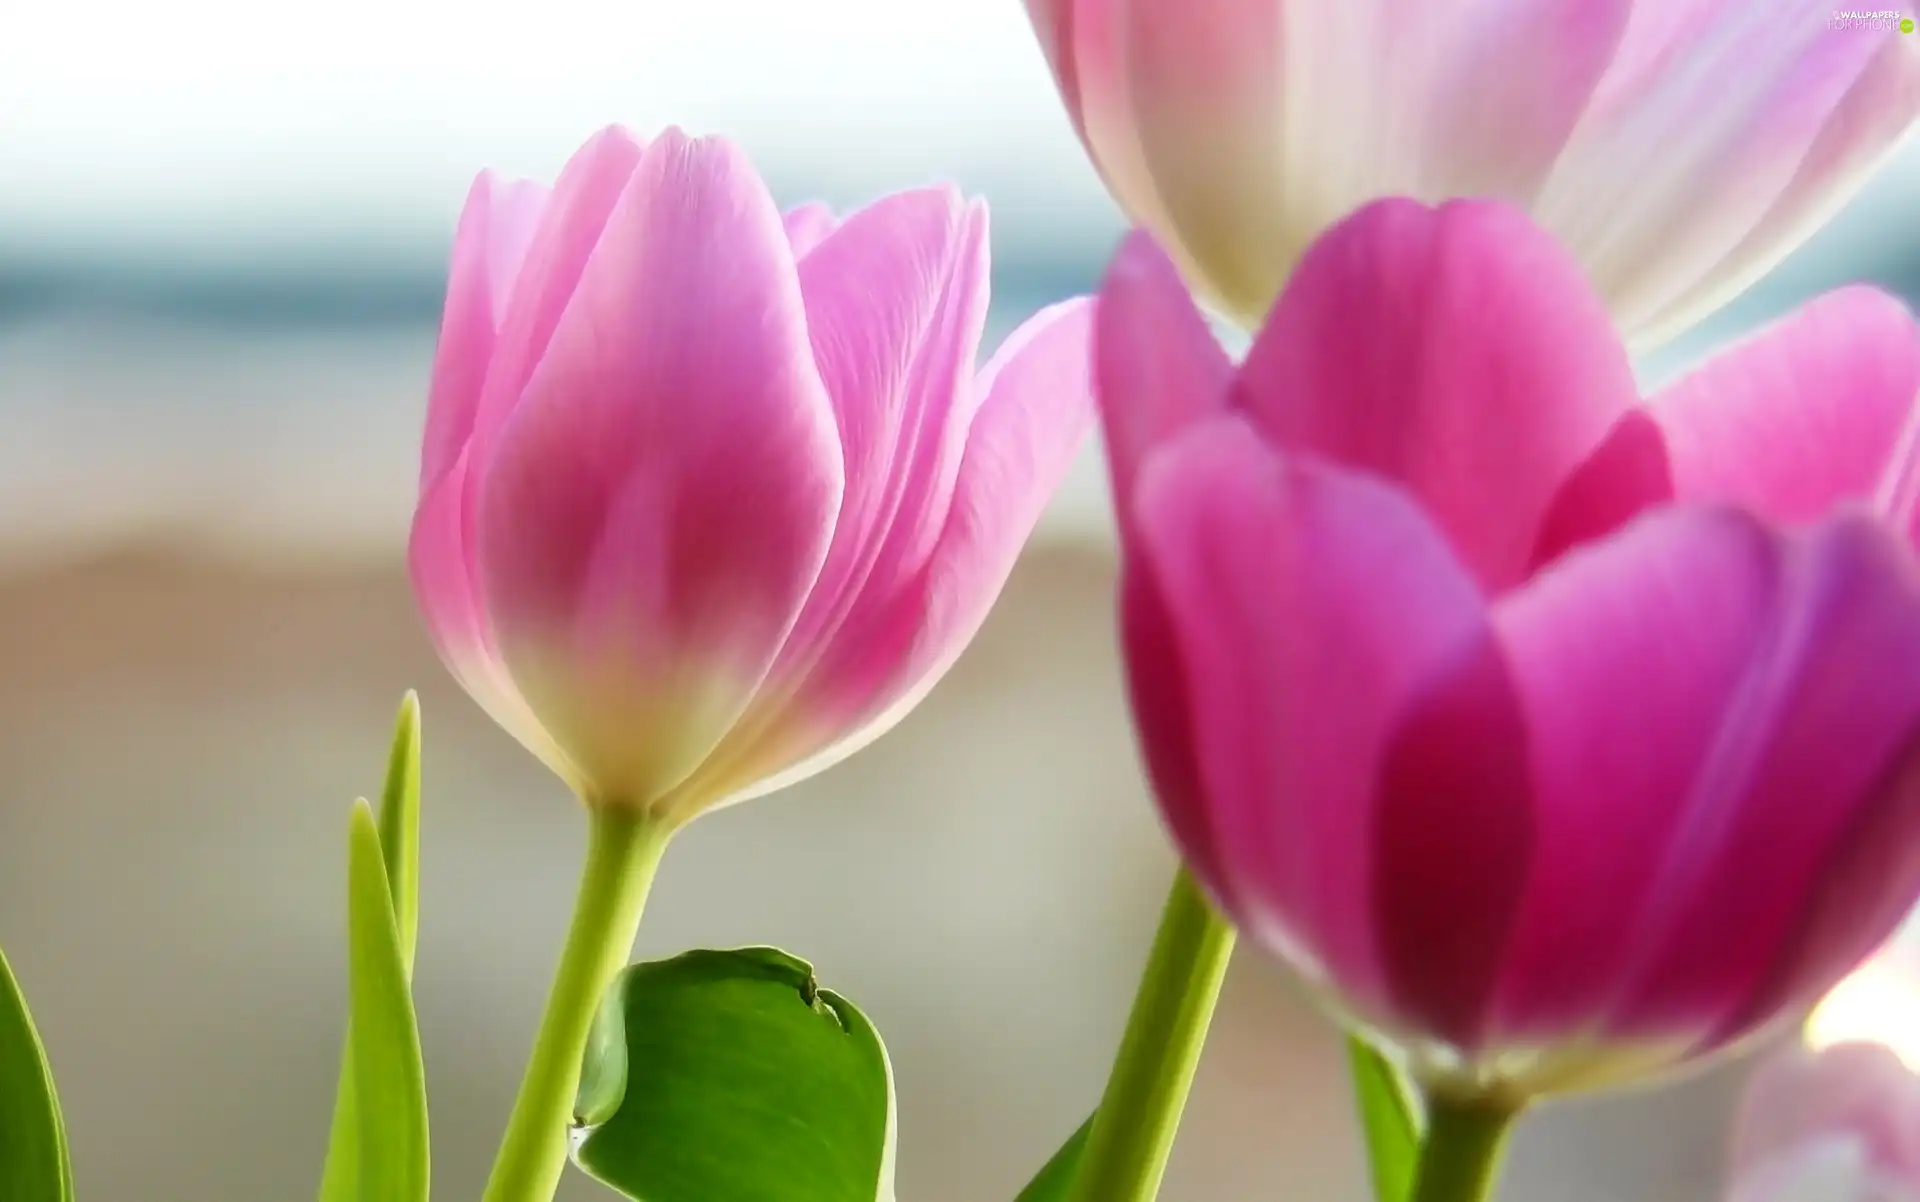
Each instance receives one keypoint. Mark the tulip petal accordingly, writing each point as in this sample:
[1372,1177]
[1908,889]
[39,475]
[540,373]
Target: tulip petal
[1712,709]
[443,581]
[807,225]
[588,188]
[1265,123]
[1818,408]
[1861,133]
[1453,820]
[662,500]
[1814,410]
[907,631]
[488,245]
[1307,605]
[1159,368]
[896,299]
[1798,1097]
[1698,130]
[1457,350]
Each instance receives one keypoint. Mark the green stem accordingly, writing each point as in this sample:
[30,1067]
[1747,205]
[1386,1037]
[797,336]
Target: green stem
[623,852]
[1126,1151]
[1461,1156]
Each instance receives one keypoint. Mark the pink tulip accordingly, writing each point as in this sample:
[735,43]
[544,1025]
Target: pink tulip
[709,499]
[1555,737]
[1837,1125]
[1679,147]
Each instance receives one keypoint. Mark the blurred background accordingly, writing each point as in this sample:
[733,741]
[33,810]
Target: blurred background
[223,227]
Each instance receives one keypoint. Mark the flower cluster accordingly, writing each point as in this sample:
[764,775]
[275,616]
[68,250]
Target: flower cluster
[1557,735]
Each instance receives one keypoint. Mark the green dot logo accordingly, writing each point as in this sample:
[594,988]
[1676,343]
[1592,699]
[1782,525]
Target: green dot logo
[1906,25]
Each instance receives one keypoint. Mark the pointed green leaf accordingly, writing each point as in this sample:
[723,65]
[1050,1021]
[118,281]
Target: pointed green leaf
[1388,1119]
[388,1079]
[400,824]
[33,1136]
[1056,1178]
[732,1077]
[400,852]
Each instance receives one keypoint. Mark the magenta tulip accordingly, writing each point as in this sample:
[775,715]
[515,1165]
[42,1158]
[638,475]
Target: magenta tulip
[1557,738]
[709,497]
[1841,1124]
[1679,147]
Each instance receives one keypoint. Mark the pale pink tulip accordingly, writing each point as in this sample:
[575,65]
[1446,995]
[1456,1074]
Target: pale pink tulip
[1679,147]
[1841,1124]
[709,497]
[1555,785]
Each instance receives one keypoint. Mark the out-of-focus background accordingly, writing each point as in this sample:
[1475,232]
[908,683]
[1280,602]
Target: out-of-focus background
[222,232]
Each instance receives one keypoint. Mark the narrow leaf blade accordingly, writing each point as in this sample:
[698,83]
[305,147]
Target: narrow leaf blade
[1392,1130]
[399,828]
[33,1137]
[389,1079]
[731,1075]
[400,824]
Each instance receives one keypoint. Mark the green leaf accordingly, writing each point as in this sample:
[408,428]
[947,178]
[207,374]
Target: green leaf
[399,829]
[33,1136]
[732,1077]
[389,1080]
[1056,1177]
[1391,1127]
[400,824]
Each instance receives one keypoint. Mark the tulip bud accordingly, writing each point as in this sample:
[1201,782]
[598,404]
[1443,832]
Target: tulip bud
[711,497]
[1552,793]
[1680,148]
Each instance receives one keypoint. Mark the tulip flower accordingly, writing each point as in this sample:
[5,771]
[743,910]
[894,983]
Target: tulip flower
[1680,148]
[1555,737]
[711,497]
[1835,1115]
[1839,1124]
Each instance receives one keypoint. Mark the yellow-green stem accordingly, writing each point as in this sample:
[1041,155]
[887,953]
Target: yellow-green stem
[1460,1158]
[623,851]
[1132,1135]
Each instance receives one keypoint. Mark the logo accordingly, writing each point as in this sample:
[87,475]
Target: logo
[1906,25]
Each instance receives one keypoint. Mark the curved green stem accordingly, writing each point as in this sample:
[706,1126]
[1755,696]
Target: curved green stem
[1461,1156]
[623,851]
[1132,1135]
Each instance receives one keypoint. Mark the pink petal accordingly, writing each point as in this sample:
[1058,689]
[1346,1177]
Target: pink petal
[1159,368]
[1307,605]
[1184,106]
[1625,655]
[1092,35]
[495,227]
[909,627]
[1712,710]
[1861,132]
[1697,131]
[1627,475]
[806,225]
[1454,841]
[1817,408]
[1811,411]
[589,187]
[1800,1097]
[1481,94]
[1457,350]
[896,299]
[663,498]
[1210,118]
